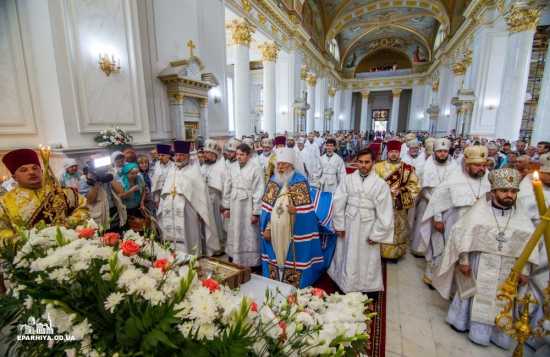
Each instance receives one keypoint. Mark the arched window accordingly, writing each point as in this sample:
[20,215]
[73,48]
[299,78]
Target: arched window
[334,50]
[439,37]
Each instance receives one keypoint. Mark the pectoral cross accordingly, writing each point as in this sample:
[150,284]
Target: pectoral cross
[501,240]
[191,46]
[173,192]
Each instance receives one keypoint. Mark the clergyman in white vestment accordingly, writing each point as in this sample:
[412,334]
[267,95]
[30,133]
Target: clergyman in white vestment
[363,218]
[214,171]
[333,168]
[479,255]
[185,213]
[243,190]
[451,199]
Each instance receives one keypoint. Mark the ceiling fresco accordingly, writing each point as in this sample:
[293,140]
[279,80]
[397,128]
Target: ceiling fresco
[362,26]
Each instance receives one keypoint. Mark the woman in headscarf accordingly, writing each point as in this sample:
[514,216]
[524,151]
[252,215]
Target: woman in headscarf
[134,188]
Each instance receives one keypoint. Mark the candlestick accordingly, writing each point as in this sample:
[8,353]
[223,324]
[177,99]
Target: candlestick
[532,243]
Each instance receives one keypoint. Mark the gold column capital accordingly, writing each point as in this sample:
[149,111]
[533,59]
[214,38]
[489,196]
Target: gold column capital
[396,92]
[459,68]
[435,85]
[246,5]
[522,18]
[365,94]
[270,51]
[311,79]
[303,72]
[241,32]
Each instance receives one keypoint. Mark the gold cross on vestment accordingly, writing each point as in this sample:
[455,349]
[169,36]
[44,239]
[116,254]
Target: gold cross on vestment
[173,192]
[191,46]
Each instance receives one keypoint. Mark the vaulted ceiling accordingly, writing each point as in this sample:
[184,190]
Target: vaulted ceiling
[363,27]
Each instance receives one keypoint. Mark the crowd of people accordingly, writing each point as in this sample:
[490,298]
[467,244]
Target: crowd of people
[299,206]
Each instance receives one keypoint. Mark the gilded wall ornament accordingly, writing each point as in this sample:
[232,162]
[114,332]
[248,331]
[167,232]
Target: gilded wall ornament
[396,92]
[241,32]
[521,18]
[331,91]
[269,51]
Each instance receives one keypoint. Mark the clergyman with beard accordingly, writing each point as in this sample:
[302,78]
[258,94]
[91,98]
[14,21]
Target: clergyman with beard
[439,166]
[482,247]
[451,199]
[185,213]
[289,226]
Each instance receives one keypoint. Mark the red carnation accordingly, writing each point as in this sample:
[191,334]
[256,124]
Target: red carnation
[162,264]
[318,292]
[110,239]
[129,248]
[86,233]
[254,307]
[211,284]
[292,299]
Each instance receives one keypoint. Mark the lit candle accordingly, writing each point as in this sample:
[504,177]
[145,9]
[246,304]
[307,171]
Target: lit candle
[539,193]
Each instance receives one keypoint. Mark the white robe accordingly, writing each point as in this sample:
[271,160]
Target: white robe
[312,164]
[264,160]
[333,172]
[473,241]
[159,177]
[363,209]
[214,176]
[243,192]
[185,213]
[433,175]
[417,162]
[449,202]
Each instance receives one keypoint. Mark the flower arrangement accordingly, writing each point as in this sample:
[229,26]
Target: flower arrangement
[113,137]
[123,295]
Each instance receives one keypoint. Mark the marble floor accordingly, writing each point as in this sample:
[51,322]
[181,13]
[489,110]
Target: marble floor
[416,324]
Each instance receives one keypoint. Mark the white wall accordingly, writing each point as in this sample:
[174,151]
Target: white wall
[418,119]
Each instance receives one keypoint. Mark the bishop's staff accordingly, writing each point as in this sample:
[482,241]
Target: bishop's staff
[520,329]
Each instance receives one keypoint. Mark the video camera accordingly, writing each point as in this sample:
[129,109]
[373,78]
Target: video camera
[98,171]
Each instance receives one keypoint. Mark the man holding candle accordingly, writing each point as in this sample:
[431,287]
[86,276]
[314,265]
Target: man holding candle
[482,248]
[31,203]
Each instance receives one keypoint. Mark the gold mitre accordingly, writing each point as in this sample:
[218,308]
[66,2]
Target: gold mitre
[475,154]
[507,178]
[410,136]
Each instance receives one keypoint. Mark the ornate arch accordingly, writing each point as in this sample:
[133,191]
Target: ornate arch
[357,40]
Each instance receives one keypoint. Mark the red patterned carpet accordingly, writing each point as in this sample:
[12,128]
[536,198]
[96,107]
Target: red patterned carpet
[377,327]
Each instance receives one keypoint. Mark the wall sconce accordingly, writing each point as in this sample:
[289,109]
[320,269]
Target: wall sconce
[341,117]
[447,113]
[317,115]
[420,115]
[284,110]
[216,94]
[491,104]
[109,64]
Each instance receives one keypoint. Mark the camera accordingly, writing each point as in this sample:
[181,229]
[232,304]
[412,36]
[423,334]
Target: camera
[98,171]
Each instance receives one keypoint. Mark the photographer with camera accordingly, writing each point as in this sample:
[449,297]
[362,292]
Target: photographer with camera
[100,189]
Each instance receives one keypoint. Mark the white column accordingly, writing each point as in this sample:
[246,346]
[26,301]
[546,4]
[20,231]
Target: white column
[320,100]
[242,35]
[310,116]
[541,126]
[337,111]
[331,92]
[363,125]
[396,92]
[269,57]
[516,72]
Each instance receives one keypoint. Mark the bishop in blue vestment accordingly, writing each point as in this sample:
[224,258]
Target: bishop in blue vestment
[297,238]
